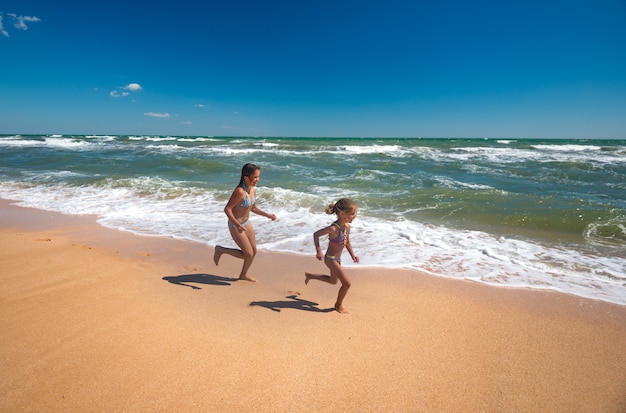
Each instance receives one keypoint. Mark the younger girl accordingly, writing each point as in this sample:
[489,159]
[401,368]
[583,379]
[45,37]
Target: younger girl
[338,237]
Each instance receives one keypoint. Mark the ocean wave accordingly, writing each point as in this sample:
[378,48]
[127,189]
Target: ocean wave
[510,155]
[568,148]
[390,150]
[107,138]
[611,231]
[17,141]
[50,142]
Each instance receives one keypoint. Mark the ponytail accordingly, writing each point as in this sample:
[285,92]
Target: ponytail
[343,205]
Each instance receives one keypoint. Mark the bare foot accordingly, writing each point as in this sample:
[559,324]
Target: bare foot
[307,278]
[217,254]
[341,309]
[246,278]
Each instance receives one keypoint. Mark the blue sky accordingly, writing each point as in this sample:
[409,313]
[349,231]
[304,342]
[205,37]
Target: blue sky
[514,69]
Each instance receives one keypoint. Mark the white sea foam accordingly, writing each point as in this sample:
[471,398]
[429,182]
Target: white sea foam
[539,153]
[49,141]
[169,148]
[66,143]
[160,138]
[17,141]
[199,139]
[276,149]
[98,137]
[369,149]
[568,148]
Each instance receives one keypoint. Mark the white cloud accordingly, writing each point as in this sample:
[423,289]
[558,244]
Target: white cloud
[121,90]
[158,115]
[116,94]
[133,87]
[199,105]
[4,32]
[19,22]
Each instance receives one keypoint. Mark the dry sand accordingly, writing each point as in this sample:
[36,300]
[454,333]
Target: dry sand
[96,320]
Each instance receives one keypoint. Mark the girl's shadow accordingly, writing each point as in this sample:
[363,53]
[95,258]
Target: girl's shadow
[207,279]
[295,303]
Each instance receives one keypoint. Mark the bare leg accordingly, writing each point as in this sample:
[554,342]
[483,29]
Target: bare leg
[219,251]
[247,242]
[343,290]
[217,254]
[336,274]
[326,278]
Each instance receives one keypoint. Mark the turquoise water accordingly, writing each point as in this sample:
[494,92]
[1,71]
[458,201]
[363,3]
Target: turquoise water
[547,214]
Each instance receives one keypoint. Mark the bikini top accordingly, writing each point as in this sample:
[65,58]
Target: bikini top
[248,199]
[342,238]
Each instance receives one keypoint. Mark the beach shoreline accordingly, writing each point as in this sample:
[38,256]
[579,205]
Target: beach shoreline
[468,209]
[96,319]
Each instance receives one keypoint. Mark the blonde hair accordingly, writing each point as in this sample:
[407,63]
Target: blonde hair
[343,205]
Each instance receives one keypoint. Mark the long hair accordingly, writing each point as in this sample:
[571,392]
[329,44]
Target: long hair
[247,170]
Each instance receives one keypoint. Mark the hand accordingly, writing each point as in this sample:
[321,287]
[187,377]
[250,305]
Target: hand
[319,255]
[355,259]
[272,217]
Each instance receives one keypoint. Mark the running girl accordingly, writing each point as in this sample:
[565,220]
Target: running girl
[241,203]
[338,238]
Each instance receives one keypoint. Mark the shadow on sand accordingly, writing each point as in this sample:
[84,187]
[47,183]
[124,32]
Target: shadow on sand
[206,279]
[294,303]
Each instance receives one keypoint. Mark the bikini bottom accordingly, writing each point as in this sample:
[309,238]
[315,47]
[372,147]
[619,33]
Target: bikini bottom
[232,225]
[333,258]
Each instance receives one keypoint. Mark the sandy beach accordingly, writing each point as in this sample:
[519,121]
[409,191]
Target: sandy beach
[97,320]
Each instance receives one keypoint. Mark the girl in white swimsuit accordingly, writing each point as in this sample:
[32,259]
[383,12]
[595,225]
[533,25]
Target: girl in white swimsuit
[241,203]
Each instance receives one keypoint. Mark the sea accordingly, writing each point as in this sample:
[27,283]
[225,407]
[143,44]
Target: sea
[544,214]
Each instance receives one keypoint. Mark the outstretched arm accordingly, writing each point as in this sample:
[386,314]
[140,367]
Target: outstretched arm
[259,211]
